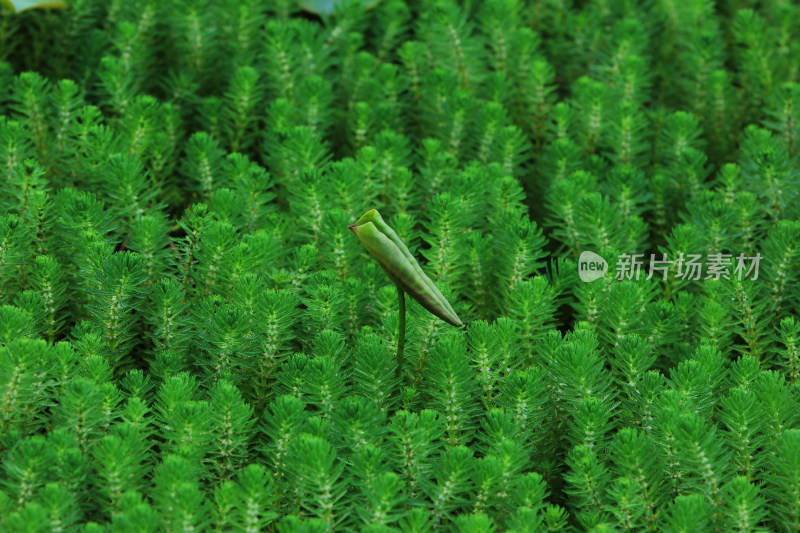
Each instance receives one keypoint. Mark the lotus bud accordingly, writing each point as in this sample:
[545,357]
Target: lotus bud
[393,255]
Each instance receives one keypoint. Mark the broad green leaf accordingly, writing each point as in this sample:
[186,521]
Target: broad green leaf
[393,255]
[22,5]
[327,7]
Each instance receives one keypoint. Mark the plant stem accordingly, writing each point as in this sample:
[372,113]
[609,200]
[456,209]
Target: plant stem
[401,330]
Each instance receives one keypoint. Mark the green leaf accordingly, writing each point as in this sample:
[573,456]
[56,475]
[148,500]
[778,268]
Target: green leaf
[22,5]
[393,255]
[327,7]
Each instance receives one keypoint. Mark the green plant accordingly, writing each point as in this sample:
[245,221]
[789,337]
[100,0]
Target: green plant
[191,338]
[392,254]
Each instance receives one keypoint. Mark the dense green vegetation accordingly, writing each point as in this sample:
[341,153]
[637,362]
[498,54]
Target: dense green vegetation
[192,339]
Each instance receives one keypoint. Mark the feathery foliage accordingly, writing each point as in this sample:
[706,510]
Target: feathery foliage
[191,338]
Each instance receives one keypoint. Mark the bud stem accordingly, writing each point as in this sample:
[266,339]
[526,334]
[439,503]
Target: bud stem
[401,330]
